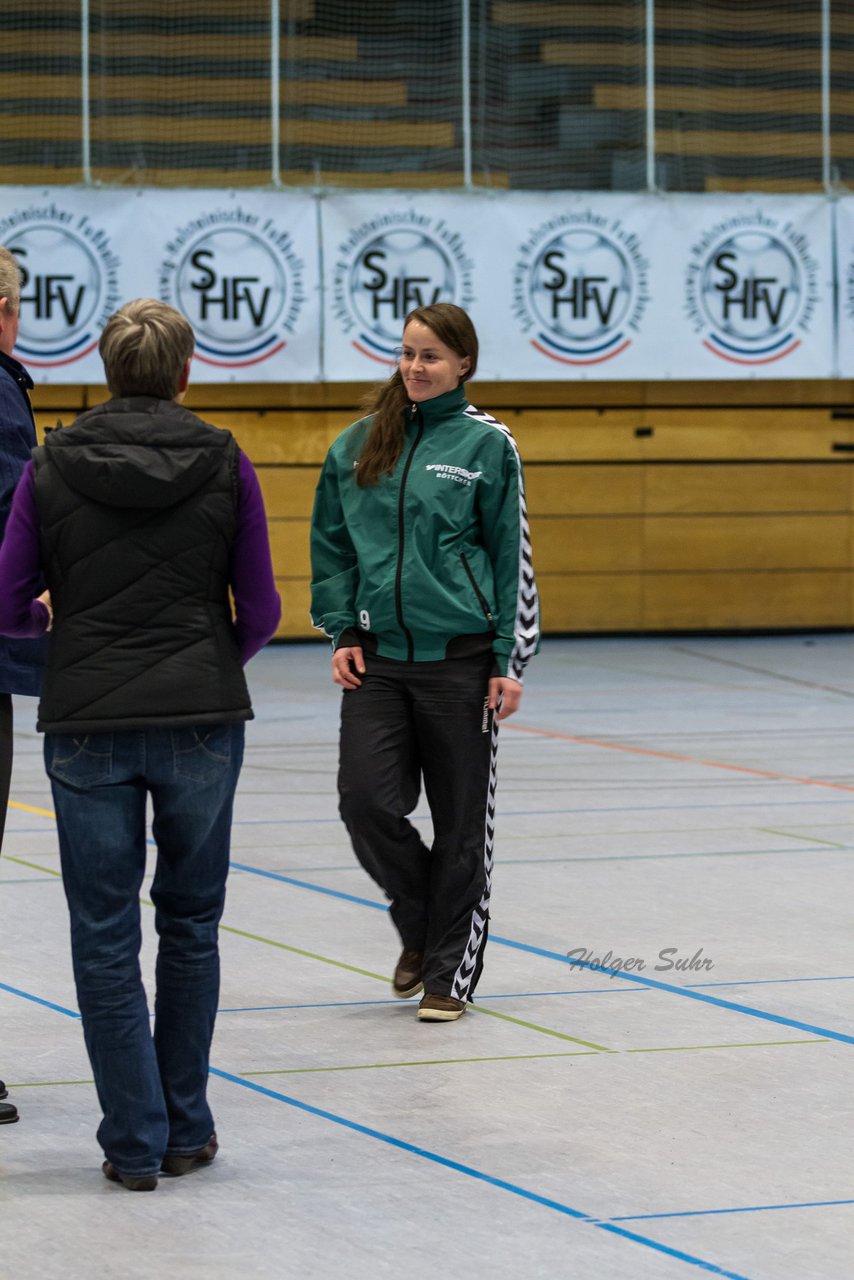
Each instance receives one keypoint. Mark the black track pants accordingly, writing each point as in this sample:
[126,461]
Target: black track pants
[427,720]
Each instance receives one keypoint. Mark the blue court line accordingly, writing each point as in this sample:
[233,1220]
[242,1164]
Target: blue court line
[500,1183]
[673,1253]
[29,880]
[48,1004]
[315,888]
[770,982]
[687,992]
[751,1208]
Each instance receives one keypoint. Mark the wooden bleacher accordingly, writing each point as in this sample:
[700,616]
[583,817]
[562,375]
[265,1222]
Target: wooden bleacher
[206,100]
[735,511]
[346,120]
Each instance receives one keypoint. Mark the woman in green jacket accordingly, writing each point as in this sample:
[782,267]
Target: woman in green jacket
[422,578]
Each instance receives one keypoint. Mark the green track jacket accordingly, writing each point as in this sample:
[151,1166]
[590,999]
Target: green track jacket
[436,551]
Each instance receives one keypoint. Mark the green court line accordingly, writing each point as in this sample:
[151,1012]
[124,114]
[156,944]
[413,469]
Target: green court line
[834,844]
[427,1062]
[34,866]
[651,857]
[367,973]
[524,1057]
[298,951]
[546,1031]
[42,1084]
[351,968]
[442,1062]
[738,1044]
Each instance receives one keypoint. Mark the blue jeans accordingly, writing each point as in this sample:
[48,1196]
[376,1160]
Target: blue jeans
[152,1088]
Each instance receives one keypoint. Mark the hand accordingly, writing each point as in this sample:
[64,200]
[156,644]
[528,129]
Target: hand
[345,663]
[505,694]
[44,599]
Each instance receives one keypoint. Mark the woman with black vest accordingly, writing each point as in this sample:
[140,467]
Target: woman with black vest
[141,517]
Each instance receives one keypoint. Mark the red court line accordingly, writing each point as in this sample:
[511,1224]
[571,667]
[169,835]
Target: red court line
[669,755]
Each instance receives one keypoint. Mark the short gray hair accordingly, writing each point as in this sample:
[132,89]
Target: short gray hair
[145,347]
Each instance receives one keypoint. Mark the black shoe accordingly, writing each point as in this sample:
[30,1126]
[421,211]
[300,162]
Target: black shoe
[407,976]
[144,1182]
[8,1113]
[4,1092]
[175,1165]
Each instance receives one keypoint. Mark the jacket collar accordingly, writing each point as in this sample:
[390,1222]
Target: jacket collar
[17,371]
[442,408]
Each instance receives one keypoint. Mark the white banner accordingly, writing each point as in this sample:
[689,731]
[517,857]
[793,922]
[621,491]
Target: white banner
[560,286]
[568,287]
[242,266]
[845,270]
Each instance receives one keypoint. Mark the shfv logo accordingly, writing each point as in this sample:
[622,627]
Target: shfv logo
[580,288]
[69,283]
[239,281]
[751,289]
[391,265]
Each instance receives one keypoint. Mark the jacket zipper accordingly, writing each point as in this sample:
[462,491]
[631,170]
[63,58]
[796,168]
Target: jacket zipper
[481,597]
[398,581]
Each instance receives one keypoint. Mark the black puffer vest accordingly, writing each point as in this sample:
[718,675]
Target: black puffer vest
[137,506]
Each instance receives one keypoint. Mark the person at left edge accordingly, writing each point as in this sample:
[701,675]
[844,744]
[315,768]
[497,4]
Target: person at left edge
[21,661]
[141,517]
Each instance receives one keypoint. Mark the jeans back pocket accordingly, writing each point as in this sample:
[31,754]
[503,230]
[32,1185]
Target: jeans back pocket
[80,760]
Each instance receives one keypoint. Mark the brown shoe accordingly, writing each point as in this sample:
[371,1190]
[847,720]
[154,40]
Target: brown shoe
[175,1166]
[440,1009]
[407,976]
[145,1182]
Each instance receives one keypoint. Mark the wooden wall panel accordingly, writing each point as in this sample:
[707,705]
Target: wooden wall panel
[659,506]
[740,601]
[591,602]
[289,543]
[584,490]
[738,542]
[296,599]
[745,487]
[587,544]
[288,491]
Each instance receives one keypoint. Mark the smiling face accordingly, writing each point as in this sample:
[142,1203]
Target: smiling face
[428,367]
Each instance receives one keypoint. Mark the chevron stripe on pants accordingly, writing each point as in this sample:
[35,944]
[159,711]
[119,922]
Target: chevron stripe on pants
[408,722]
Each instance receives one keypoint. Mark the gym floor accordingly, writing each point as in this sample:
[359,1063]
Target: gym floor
[679,810]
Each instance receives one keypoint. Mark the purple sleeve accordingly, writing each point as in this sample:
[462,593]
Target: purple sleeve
[256,600]
[21,615]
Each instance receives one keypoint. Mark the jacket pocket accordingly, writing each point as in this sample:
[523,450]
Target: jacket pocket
[482,601]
